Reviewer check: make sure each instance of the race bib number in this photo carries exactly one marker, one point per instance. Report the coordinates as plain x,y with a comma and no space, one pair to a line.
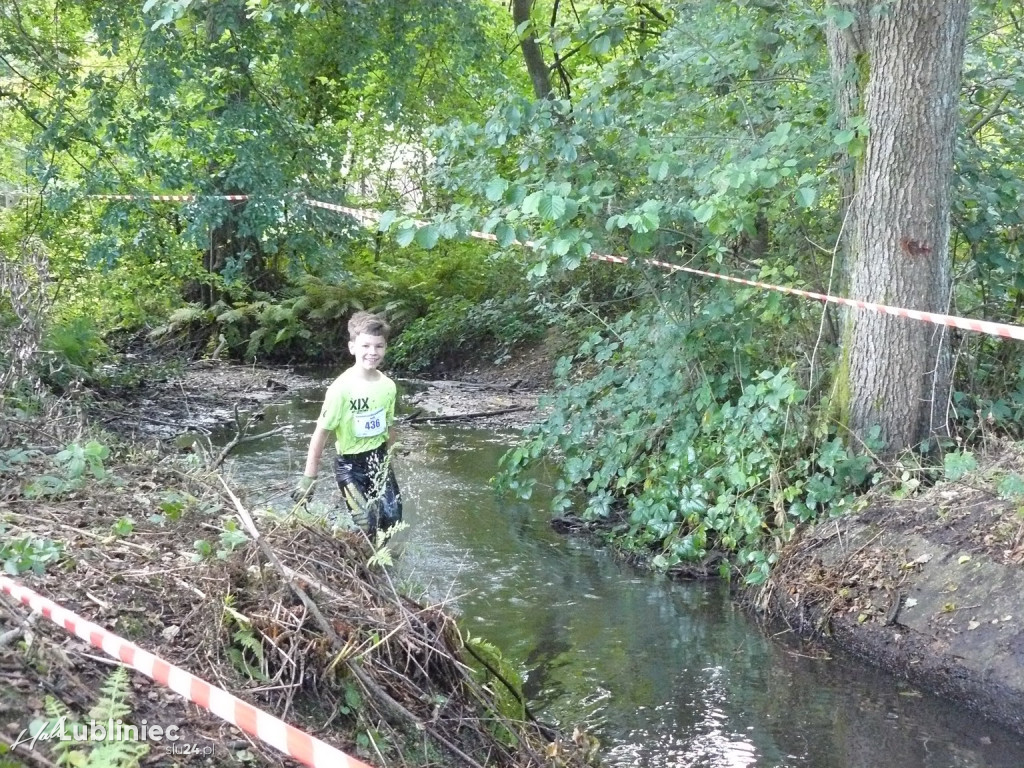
370,424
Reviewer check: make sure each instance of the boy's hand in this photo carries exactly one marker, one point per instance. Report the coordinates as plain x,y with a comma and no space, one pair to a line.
304,490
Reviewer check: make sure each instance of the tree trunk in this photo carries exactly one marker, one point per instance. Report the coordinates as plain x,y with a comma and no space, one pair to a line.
539,74
896,372
848,58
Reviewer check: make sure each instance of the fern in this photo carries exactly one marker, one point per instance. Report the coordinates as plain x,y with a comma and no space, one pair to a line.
248,640
495,673
255,343
330,310
114,704
232,316
187,315
117,754
63,750
111,752
249,648
182,318
382,556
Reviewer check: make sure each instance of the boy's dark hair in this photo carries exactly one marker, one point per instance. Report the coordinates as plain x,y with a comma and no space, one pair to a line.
369,323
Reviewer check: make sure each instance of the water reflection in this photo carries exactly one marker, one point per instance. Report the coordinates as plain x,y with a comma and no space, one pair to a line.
664,674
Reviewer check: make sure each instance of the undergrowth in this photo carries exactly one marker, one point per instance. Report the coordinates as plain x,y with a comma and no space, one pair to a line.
680,436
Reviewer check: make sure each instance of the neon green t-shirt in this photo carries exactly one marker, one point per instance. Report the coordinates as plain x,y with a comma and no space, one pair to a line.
359,412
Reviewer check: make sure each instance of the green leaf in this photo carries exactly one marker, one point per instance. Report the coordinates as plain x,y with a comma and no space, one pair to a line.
643,241
386,220
1011,487
957,464
704,213
560,246
844,137
600,45
531,203
806,196
426,237
505,233
551,207
658,170
495,189
405,235
515,194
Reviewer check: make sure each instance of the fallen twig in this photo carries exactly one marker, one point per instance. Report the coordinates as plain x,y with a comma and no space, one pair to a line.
239,438
461,416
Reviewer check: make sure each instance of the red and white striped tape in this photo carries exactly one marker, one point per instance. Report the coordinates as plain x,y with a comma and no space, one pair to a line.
363,214
269,729
1006,330
169,198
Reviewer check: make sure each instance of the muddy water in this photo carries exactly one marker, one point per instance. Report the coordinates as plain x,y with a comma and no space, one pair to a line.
664,674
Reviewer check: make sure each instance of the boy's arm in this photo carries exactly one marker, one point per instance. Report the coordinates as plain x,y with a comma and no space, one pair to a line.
390,441
316,450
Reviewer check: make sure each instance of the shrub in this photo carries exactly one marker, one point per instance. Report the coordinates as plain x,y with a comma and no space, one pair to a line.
672,436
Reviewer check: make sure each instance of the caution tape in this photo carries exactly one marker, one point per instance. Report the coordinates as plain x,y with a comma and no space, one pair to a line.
170,198
269,729
364,215
1005,330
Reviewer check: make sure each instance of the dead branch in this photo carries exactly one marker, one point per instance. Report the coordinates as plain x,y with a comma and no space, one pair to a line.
462,416
241,427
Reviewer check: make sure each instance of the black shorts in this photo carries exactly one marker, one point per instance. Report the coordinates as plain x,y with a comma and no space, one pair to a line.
372,476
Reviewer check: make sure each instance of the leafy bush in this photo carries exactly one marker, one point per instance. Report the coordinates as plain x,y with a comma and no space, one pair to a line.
456,328
443,303
671,435
28,553
74,461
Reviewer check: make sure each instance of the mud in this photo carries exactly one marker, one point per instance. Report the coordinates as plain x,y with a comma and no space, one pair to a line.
207,395
926,588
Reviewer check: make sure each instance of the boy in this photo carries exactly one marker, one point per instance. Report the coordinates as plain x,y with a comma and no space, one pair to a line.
359,408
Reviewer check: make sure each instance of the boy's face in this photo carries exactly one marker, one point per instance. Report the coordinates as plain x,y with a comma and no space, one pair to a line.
368,351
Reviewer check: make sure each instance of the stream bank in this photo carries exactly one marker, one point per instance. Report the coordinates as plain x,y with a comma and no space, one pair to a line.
223,385
928,588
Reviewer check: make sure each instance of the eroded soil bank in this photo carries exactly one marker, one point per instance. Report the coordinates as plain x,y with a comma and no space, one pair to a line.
928,588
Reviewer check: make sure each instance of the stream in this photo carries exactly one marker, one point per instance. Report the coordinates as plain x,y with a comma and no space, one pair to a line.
663,673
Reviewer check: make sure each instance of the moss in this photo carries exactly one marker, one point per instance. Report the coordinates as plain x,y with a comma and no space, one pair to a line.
842,393
131,627
862,61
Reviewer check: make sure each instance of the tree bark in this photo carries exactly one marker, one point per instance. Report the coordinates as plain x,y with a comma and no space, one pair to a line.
896,372
538,70
848,58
